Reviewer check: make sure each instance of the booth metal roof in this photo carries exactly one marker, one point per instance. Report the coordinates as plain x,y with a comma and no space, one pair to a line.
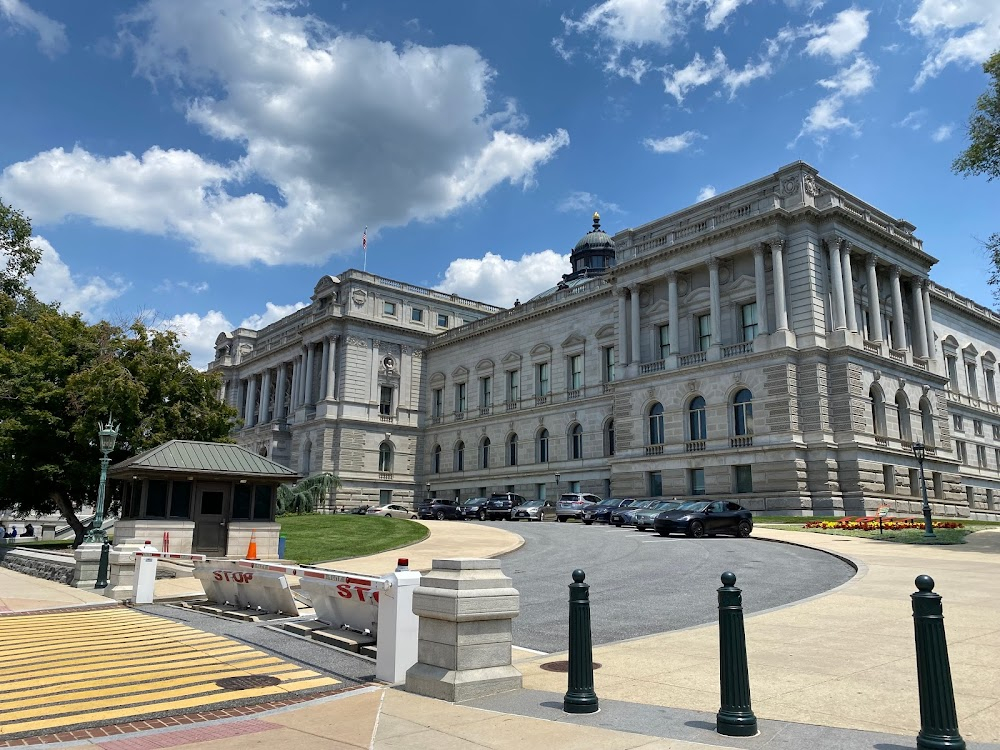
204,458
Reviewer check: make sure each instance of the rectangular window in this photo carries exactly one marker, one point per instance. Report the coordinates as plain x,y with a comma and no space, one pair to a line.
389,308
385,400
938,482
664,341
542,378
981,456
996,456
989,499
696,479
514,386
748,316
417,315
655,483
437,402
963,456
384,497
959,423
970,494
180,500
460,400
704,332
486,391
915,482
442,320
262,502
540,491
991,386
952,363
609,364
576,372
970,371
242,502
996,432
977,427
156,498
574,486
744,478
889,478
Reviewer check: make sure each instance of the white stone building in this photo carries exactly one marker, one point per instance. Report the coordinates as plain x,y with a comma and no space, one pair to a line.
780,342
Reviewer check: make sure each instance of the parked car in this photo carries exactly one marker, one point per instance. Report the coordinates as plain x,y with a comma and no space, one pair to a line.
534,510
626,516
644,517
574,504
440,509
501,504
601,513
699,518
391,511
474,507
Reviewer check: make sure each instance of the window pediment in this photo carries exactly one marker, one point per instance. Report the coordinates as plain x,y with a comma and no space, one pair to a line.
485,365
541,350
511,358
574,340
460,373
606,331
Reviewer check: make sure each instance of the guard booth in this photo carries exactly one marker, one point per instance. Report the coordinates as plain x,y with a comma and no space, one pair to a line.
198,497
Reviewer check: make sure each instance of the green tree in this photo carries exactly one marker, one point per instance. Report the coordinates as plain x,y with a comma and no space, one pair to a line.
303,496
982,156
20,257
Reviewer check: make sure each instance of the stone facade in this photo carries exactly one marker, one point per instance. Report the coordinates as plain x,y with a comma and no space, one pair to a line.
780,343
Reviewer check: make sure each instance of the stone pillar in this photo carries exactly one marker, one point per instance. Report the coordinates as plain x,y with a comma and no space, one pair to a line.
634,324
674,321
265,397
405,367
837,279
761,283
121,571
874,304
324,368
308,395
622,327
778,269
464,644
898,327
251,419
246,402
928,320
279,391
919,324
714,301
88,560
296,371
331,378
852,317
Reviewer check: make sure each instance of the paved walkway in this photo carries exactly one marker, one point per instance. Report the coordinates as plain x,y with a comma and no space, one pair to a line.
22,593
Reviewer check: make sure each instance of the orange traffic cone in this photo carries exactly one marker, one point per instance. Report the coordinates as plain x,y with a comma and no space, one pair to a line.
252,549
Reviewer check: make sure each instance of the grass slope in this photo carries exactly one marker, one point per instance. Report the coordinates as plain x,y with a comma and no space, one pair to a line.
313,538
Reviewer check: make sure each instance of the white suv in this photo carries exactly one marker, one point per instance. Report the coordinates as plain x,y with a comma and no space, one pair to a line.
573,504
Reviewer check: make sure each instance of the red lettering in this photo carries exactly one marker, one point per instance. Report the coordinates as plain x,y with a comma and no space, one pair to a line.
217,575
375,596
344,591
361,593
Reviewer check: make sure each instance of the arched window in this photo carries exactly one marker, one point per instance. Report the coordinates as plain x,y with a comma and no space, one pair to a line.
903,416
656,424
543,446
878,410
927,421
576,442
460,456
437,459
743,412
697,428
385,457
484,453
512,450
609,438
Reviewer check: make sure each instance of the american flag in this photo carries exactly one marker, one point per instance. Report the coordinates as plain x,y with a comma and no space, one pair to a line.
364,240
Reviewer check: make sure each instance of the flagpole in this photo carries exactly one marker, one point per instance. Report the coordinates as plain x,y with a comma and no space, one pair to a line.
364,248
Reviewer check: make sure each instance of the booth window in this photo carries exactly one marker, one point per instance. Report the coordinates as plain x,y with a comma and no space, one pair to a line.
241,502
180,500
262,502
128,507
156,498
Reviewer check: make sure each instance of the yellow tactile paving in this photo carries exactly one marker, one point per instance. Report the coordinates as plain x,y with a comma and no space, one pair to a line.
68,668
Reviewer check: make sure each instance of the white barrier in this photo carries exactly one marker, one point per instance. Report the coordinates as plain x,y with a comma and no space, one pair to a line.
143,589
397,625
226,582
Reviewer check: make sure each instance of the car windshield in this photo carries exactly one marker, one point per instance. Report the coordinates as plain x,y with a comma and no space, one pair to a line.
693,506
474,501
664,505
607,503
641,504
532,504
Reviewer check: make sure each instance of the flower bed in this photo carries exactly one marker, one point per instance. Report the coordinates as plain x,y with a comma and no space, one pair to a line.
870,523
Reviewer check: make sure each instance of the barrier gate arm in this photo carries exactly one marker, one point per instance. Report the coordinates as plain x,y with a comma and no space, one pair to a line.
146,558
356,579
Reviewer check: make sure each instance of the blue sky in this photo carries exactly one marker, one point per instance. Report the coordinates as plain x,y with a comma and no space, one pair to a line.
202,164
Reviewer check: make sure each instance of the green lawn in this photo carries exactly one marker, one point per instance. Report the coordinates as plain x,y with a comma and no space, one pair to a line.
313,538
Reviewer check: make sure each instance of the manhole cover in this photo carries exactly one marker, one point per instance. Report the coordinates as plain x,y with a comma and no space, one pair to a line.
248,682
563,666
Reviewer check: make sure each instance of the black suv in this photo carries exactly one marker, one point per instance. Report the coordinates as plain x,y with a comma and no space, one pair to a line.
440,508
500,505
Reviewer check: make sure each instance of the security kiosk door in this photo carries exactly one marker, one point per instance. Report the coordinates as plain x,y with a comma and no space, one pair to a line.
210,521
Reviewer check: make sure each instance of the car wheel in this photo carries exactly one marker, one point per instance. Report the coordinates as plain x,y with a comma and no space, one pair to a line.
440,515
413,517
562,519
618,525
482,515
663,533
587,523
696,529
744,529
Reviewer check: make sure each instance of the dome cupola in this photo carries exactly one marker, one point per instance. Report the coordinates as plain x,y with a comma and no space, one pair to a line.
594,253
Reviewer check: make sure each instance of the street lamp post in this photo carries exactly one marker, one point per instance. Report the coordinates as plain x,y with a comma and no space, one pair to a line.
919,453
428,489
557,482
107,436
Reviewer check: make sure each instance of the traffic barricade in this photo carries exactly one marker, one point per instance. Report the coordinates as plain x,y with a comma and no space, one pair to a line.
146,558
229,582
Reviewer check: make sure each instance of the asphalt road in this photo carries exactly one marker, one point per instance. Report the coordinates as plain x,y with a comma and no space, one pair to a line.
642,583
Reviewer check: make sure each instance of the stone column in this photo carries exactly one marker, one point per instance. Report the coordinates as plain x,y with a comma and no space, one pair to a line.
715,304
778,269
928,320
246,401
324,368
919,324
760,280
837,278
634,323
898,327
845,263
279,392
464,643
251,419
874,304
296,371
405,366
622,327
331,377
310,354
265,396
674,333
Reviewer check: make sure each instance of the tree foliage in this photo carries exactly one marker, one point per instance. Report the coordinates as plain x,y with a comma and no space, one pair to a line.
20,257
303,496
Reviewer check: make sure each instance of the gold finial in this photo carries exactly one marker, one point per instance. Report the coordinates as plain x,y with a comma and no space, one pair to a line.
597,221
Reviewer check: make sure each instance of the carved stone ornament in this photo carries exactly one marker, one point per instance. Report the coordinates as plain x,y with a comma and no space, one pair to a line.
418,353
388,363
902,383
511,428
926,389
790,186
358,296
388,436
541,421
737,377
692,385
811,187
355,341
572,416
651,392
877,375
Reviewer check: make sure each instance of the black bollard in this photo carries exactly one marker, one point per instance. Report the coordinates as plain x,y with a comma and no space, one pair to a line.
580,697
735,718
102,566
938,719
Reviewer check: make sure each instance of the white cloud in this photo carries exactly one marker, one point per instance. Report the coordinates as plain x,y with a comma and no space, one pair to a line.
700,72
963,32
826,115
705,193
54,282
51,34
673,144
634,23
499,281
719,11
194,287
839,38
943,133
586,202
346,130
913,120
197,334
272,313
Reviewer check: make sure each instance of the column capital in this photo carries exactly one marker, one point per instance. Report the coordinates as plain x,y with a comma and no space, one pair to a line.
713,263
871,260
671,277
846,246
633,288
833,240
895,271
758,249
776,243
618,291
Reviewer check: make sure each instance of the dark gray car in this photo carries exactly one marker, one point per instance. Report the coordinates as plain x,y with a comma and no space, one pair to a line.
644,517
